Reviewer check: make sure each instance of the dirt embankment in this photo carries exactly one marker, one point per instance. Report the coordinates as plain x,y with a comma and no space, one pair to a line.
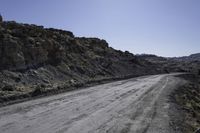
187,97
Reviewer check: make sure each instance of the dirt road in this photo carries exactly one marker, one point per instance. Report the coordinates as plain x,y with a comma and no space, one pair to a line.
137,105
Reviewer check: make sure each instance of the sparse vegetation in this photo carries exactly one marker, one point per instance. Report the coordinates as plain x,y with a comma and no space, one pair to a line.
188,98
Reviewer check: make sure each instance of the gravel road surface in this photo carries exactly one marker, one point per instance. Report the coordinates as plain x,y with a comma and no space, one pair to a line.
137,105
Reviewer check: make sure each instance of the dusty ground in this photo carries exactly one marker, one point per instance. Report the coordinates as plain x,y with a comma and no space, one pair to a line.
138,105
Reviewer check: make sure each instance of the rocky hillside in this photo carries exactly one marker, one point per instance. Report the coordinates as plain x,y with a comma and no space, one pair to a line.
192,57
177,64
34,59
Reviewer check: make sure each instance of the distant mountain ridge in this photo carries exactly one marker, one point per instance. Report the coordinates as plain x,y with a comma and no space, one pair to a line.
192,57
189,63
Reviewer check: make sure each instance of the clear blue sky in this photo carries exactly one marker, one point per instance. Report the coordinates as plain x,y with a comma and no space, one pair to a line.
162,27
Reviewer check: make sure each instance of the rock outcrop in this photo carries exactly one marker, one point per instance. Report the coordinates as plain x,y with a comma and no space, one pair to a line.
32,56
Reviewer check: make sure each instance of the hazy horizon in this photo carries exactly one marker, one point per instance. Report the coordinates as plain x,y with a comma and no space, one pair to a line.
169,28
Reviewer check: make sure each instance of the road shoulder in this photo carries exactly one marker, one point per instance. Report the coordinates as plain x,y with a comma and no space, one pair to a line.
186,103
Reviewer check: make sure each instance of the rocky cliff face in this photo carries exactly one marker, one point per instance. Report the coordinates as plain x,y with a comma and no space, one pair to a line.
28,46
32,56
